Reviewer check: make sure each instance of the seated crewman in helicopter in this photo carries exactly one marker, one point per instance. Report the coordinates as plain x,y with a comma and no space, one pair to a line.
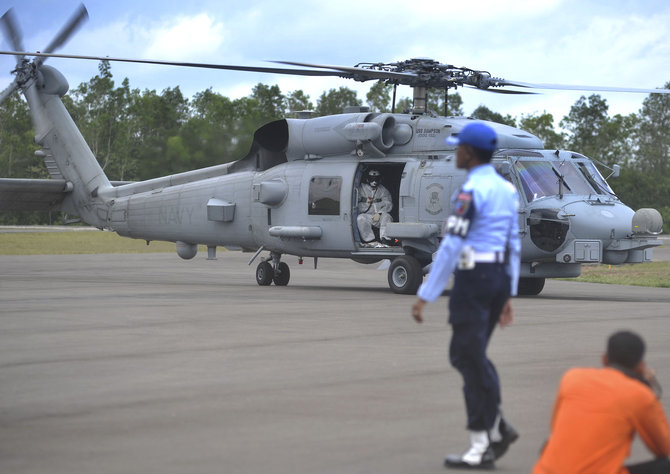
374,207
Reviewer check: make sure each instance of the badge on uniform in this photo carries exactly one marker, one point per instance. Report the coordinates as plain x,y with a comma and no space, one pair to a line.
463,203
458,223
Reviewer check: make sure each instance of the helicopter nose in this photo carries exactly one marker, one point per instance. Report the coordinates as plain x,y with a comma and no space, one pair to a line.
596,221
595,228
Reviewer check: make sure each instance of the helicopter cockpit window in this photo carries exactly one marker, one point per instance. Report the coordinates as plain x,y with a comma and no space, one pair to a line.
594,177
544,178
537,179
573,179
324,196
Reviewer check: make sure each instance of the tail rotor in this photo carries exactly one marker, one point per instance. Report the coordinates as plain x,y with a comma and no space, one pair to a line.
76,20
24,69
10,29
11,32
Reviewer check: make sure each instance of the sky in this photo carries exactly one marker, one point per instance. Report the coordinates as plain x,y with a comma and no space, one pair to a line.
619,43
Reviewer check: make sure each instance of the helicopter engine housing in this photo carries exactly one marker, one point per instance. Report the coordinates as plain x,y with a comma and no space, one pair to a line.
340,134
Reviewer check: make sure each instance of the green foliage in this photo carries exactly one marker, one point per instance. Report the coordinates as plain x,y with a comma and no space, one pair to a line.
335,100
17,149
542,126
640,189
484,113
585,122
593,133
298,101
652,134
665,214
379,97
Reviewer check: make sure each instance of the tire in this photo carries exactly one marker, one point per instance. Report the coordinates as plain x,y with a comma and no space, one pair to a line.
264,274
530,286
405,275
283,275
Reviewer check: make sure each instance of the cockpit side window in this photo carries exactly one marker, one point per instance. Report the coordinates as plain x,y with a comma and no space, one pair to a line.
594,177
324,195
573,180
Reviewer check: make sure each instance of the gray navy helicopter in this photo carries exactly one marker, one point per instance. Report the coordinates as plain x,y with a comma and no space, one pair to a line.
296,191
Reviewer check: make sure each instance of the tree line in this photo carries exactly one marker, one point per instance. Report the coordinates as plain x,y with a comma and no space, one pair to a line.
139,135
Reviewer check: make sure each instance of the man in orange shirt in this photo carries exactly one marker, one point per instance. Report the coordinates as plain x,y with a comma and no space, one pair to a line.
598,411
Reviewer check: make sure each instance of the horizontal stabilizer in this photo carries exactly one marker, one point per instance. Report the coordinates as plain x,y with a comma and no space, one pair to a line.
32,194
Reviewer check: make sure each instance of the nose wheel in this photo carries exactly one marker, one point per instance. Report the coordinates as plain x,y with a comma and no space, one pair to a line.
277,272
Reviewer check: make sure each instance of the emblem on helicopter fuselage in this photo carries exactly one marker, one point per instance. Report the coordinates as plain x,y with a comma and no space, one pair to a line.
434,198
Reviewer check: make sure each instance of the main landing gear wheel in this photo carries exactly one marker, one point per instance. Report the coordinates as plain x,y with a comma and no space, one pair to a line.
405,275
282,275
530,286
264,273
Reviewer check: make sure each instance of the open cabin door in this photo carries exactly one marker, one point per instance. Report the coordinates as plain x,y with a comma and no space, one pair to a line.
326,203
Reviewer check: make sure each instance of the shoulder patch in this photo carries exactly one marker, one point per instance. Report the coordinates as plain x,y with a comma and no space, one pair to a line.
463,203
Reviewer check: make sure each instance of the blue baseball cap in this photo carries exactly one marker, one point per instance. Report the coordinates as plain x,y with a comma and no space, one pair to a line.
477,135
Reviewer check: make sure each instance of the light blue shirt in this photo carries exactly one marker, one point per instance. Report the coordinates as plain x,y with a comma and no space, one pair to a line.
493,226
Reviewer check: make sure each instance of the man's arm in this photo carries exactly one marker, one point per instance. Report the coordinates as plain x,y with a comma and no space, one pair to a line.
386,200
514,249
652,426
651,422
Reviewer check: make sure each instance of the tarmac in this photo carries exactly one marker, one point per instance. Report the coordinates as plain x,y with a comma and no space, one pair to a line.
153,364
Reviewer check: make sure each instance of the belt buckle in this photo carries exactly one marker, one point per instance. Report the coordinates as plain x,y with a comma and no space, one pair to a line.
466,260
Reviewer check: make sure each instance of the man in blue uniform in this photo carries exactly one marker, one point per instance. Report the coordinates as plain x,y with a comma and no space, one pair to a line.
481,243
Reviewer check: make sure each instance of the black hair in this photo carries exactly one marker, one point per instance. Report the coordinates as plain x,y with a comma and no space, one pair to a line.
625,348
484,156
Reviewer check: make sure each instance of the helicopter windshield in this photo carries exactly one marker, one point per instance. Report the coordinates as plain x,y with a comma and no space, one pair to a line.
549,178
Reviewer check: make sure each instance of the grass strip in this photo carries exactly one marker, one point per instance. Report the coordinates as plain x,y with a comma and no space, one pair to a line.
80,242
656,274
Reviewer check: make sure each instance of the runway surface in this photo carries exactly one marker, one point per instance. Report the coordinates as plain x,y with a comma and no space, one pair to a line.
152,364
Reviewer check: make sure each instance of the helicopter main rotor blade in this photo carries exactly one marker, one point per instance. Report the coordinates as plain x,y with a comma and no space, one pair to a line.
358,72
10,28
503,91
271,70
590,88
73,24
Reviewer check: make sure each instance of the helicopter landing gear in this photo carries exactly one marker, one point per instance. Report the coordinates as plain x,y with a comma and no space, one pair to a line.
277,272
530,286
282,274
264,273
405,275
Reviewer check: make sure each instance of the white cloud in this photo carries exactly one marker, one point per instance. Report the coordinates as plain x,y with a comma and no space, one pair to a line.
185,37
620,51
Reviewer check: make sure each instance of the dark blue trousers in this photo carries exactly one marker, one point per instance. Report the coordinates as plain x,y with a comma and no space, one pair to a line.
476,300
